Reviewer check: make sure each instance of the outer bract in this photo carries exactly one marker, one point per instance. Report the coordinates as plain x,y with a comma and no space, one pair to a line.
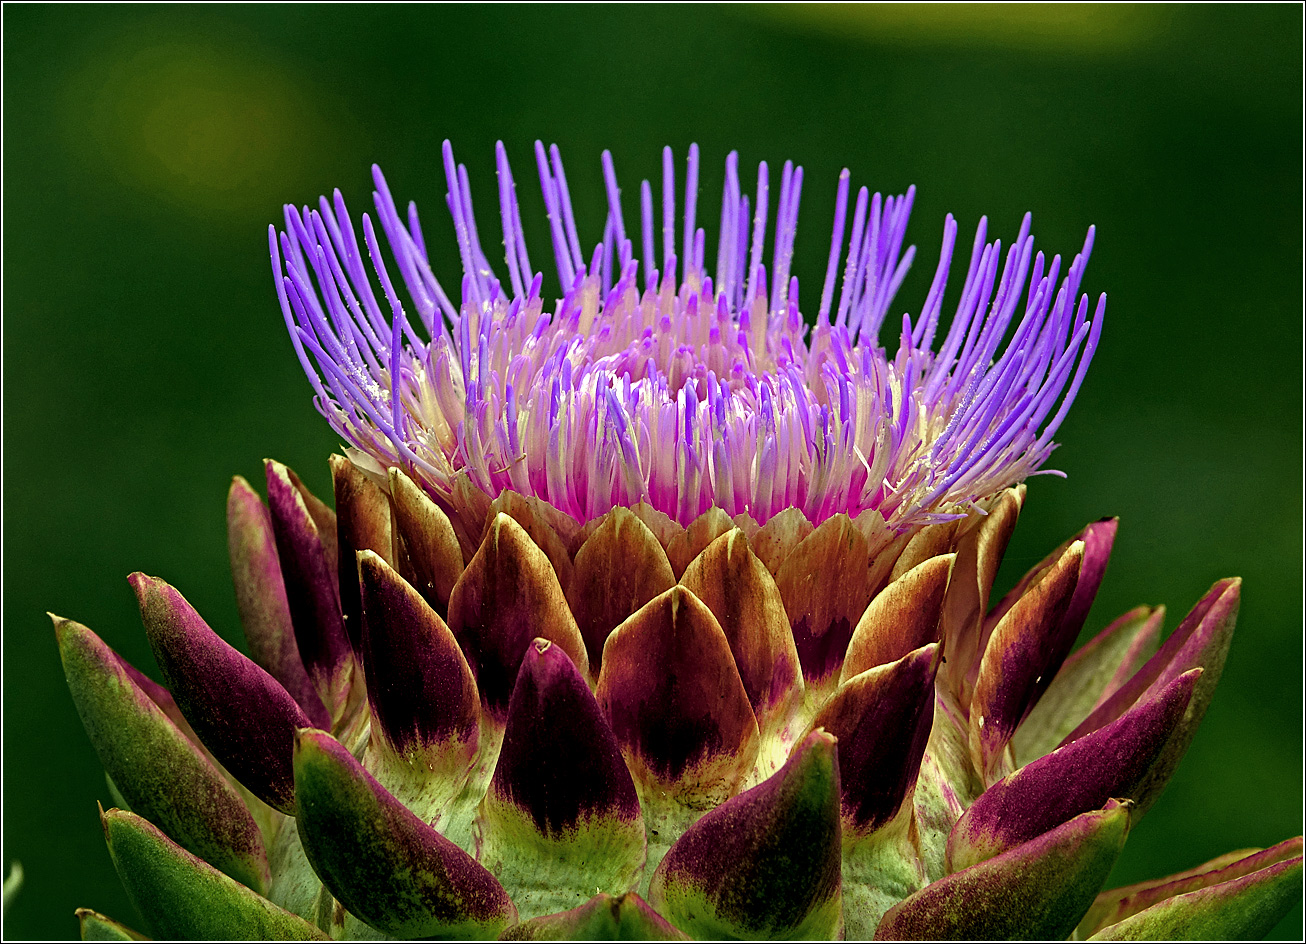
661,615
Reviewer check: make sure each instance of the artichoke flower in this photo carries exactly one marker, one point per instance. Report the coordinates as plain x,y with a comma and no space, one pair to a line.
661,615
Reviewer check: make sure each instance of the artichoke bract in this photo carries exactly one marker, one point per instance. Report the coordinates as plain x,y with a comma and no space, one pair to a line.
665,615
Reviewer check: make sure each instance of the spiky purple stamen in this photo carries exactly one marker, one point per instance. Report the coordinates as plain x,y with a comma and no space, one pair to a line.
692,392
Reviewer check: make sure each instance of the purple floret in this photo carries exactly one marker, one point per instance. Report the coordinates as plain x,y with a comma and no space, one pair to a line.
686,389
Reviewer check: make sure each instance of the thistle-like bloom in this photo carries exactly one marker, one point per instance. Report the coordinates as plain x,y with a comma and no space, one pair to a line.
660,615
677,386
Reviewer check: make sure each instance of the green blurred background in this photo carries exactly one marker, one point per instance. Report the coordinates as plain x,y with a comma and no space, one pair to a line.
145,361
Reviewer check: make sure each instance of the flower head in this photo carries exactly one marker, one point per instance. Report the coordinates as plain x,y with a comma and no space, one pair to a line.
678,386
547,715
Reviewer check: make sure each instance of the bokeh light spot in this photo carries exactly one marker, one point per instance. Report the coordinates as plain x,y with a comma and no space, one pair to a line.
218,130
1090,29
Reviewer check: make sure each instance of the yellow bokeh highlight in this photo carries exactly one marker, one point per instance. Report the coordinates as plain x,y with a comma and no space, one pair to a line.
215,130
1075,28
